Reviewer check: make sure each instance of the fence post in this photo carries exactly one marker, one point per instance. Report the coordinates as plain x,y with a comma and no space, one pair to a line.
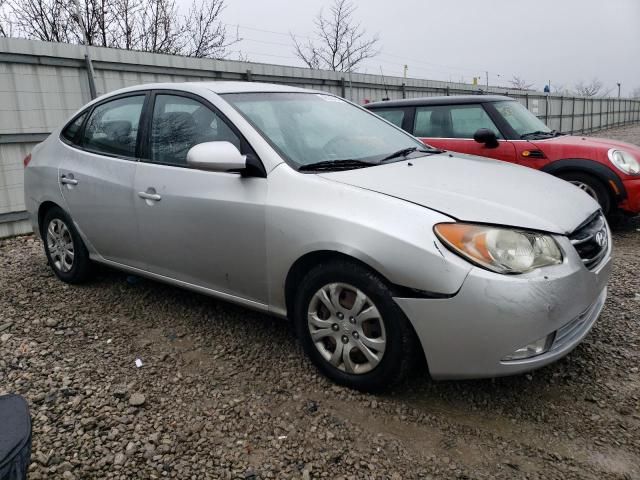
404,90
526,100
573,109
600,122
584,111
547,107
90,76
249,75
561,103
343,88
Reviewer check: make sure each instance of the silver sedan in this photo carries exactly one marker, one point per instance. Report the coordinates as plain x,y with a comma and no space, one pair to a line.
380,250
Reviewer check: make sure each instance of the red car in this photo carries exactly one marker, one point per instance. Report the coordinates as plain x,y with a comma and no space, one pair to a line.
502,128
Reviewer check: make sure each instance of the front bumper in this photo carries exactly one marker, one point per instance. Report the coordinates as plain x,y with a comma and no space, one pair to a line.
631,204
469,335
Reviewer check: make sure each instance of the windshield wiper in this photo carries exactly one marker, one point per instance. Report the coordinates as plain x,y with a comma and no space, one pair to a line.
346,164
406,151
550,133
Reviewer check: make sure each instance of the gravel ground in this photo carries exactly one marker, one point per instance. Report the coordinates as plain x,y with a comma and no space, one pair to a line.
226,393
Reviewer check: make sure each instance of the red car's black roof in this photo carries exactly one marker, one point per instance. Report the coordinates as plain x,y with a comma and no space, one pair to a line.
452,100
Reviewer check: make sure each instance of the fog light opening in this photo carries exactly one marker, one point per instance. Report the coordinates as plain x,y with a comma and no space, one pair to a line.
533,349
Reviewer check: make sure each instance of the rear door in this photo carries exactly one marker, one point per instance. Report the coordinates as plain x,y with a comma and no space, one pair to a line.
200,227
96,175
451,127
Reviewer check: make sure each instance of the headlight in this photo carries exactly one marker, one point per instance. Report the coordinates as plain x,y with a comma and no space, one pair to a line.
624,161
501,250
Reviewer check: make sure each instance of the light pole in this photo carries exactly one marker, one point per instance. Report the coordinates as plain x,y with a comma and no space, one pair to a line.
619,89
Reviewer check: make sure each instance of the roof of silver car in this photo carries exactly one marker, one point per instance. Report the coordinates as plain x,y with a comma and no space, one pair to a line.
219,87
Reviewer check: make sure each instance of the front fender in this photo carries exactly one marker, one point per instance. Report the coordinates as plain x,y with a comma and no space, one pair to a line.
309,214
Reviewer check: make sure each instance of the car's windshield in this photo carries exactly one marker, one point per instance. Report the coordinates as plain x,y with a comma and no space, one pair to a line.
307,128
521,120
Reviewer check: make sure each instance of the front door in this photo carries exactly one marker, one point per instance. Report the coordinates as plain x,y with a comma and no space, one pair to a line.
203,228
97,174
451,127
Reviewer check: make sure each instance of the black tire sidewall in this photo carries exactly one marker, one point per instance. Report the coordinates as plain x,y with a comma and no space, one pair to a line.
81,263
604,197
399,350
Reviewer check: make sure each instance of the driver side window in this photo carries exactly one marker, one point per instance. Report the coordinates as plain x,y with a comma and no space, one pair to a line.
179,123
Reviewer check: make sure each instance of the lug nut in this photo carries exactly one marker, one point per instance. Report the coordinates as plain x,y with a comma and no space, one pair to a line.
345,339
356,335
352,319
335,327
340,315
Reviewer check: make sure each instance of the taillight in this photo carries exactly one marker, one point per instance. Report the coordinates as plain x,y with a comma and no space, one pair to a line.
26,160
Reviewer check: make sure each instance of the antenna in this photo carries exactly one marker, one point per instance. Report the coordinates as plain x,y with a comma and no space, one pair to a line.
384,82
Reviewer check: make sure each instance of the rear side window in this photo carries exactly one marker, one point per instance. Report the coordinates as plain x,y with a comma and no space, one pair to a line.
112,128
452,121
394,116
70,133
180,123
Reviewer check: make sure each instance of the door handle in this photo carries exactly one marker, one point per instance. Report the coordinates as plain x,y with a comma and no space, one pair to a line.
150,196
68,180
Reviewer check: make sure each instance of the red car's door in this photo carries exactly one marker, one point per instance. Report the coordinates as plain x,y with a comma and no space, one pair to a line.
451,127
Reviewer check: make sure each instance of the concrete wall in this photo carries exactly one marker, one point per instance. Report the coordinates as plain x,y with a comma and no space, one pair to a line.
42,84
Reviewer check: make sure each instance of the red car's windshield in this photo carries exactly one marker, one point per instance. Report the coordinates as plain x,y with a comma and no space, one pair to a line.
520,119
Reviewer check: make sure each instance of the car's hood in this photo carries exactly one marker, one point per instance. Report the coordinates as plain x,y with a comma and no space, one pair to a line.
477,189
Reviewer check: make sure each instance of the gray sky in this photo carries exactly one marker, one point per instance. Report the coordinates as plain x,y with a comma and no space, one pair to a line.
562,40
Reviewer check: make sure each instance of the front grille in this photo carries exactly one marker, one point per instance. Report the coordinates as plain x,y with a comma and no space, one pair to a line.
591,240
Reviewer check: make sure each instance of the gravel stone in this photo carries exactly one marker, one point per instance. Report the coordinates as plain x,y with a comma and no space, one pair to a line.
137,400
234,395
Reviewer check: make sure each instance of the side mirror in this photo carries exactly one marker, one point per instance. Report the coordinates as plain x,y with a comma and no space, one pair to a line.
486,136
216,157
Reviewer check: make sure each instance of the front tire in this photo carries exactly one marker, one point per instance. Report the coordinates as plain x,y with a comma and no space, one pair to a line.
351,328
65,250
592,187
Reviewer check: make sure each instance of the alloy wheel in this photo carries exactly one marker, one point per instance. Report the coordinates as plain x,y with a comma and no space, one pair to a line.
60,245
346,328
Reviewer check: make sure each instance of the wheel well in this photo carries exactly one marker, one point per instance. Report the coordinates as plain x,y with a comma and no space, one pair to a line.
308,261
603,181
42,211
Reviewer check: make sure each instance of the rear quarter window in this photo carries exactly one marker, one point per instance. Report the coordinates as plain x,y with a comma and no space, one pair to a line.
71,132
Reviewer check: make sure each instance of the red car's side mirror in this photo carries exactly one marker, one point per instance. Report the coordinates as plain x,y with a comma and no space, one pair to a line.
486,136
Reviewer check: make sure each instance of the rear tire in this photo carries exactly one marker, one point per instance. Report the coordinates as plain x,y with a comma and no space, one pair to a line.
65,250
354,332
591,186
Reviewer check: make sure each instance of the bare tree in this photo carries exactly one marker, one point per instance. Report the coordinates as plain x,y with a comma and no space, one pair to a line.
520,83
591,89
205,35
341,44
4,30
126,30
160,33
147,25
46,20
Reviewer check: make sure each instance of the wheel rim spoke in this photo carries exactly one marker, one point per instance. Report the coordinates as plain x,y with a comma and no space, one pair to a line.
369,313
349,366
376,344
336,356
